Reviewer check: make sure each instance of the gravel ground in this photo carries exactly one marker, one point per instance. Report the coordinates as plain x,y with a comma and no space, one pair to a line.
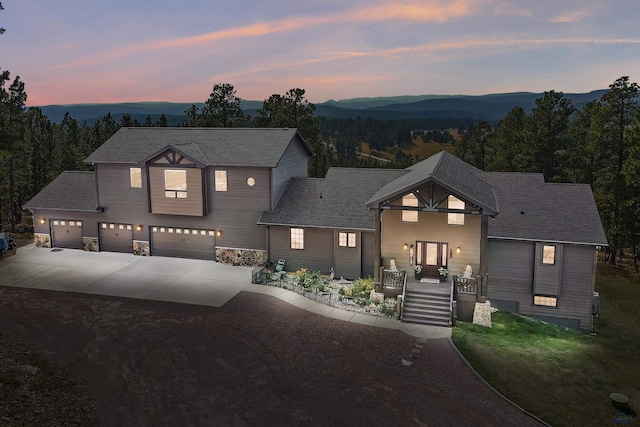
255,361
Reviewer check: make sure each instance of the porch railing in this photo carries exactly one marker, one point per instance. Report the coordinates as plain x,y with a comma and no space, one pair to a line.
404,292
466,285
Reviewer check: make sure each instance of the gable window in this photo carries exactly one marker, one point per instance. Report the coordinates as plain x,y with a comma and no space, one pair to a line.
175,183
347,240
135,176
297,238
545,301
410,216
221,180
455,218
549,254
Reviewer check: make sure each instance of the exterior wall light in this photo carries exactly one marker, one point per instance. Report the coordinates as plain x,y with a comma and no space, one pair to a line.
458,250
139,227
405,247
218,233
42,221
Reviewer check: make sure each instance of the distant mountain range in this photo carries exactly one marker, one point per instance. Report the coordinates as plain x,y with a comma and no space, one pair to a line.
491,107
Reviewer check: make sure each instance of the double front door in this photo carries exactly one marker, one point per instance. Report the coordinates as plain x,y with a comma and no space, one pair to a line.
432,256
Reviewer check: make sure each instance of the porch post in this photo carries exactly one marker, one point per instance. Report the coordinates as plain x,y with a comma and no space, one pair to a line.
484,229
377,238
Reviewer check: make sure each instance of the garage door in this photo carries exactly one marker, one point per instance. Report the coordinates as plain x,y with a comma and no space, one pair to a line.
183,242
116,237
67,233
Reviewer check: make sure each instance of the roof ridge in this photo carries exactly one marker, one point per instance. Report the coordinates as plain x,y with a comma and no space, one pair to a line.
435,169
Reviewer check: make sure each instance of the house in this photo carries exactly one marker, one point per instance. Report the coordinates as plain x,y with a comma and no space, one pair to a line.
243,196
185,192
531,245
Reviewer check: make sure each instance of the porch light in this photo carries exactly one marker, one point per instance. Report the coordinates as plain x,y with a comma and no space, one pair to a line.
218,233
42,221
405,247
458,250
139,227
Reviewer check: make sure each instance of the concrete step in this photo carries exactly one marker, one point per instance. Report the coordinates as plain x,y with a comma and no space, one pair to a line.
422,320
410,305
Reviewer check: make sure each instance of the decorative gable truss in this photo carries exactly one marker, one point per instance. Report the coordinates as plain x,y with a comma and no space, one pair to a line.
176,184
431,198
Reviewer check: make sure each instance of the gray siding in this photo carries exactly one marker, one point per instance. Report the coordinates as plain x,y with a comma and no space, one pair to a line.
347,261
511,280
368,253
237,210
547,277
294,162
192,205
316,255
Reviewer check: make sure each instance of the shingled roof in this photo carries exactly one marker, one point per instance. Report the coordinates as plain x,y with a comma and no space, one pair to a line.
70,191
531,209
450,173
208,146
337,201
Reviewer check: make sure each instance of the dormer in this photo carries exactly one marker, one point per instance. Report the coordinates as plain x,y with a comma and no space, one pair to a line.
176,183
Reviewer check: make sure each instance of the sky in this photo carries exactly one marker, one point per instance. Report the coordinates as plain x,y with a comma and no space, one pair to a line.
79,51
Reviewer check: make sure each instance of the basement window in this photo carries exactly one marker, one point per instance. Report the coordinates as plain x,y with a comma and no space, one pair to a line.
544,300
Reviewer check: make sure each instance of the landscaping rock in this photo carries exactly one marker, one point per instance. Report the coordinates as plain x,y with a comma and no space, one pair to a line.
406,362
482,314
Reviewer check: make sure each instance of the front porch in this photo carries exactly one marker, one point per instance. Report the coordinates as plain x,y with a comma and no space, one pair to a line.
431,301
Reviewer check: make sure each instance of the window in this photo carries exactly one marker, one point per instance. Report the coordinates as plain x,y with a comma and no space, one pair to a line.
135,175
455,218
545,300
221,180
175,183
548,254
251,181
297,238
347,240
410,216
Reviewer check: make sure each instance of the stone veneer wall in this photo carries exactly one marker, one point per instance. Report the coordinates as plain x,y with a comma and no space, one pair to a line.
90,244
42,240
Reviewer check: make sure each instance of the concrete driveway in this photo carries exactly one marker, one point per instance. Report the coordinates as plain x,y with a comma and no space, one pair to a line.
125,275
179,280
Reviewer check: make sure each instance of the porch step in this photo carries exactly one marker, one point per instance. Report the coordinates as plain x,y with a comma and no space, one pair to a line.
427,308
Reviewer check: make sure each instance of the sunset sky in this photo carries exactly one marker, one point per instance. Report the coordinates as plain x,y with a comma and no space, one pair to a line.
78,51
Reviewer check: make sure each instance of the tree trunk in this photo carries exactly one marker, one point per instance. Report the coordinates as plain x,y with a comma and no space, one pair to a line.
12,196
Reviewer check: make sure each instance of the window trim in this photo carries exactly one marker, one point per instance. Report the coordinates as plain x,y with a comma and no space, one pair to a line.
550,301
407,215
175,191
543,258
454,218
347,240
135,177
296,238
221,180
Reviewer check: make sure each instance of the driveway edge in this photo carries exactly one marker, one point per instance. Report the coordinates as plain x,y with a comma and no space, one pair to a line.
520,408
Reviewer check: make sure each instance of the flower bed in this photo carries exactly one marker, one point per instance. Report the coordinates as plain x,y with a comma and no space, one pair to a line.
345,295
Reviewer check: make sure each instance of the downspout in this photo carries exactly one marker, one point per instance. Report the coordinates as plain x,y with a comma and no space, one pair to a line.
377,258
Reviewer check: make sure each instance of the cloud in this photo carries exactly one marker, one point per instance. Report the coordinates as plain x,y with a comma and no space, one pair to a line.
424,11
571,17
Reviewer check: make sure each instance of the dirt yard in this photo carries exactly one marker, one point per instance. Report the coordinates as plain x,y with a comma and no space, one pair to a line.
256,361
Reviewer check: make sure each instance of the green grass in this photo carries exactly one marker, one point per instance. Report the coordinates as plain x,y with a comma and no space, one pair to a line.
563,376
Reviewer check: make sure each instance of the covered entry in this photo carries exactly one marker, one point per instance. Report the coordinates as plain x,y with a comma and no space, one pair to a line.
66,233
432,256
183,242
116,237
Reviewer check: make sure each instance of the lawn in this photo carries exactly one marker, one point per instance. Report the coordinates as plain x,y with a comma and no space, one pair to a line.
562,376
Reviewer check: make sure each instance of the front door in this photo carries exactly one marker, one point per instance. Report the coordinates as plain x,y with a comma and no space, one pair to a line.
432,256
